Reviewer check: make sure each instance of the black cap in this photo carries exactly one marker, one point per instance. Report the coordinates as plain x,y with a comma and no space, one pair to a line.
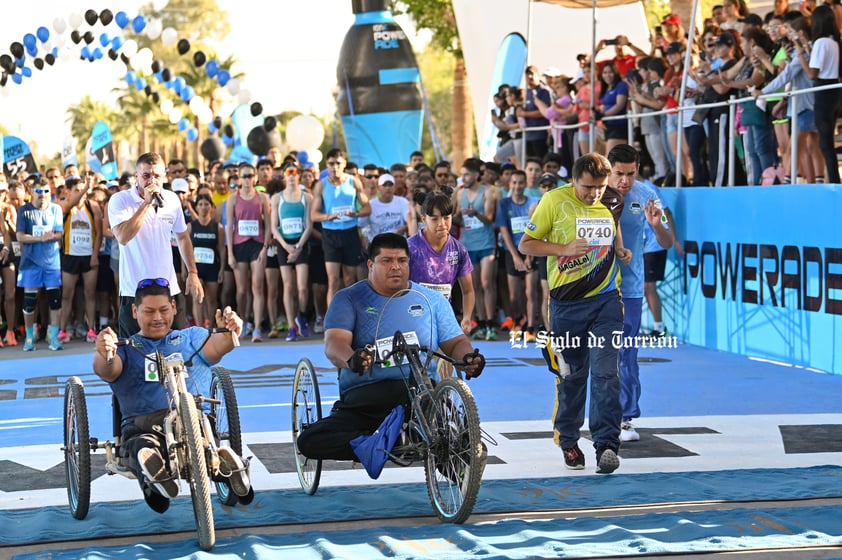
548,179
726,38
752,19
675,47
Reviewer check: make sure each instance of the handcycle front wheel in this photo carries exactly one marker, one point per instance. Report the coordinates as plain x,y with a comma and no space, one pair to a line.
199,478
306,410
455,461
77,448
225,421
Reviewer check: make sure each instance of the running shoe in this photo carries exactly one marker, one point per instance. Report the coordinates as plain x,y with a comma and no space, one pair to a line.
508,324
490,333
248,328
628,433
319,326
91,336
291,335
607,460
63,336
10,338
257,335
529,335
29,344
273,333
574,459
54,344
302,326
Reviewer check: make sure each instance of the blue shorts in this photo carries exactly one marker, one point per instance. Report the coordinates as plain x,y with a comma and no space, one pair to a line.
807,121
33,278
671,123
477,256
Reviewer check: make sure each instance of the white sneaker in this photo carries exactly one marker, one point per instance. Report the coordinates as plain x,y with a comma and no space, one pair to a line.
152,465
232,467
628,433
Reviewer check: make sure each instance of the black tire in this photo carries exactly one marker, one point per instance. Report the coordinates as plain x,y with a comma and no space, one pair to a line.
225,421
77,448
306,410
198,476
455,460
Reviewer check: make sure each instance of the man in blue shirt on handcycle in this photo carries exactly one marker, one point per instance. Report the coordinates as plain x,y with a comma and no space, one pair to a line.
369,313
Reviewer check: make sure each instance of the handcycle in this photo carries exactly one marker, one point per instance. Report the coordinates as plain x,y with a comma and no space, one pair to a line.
442,428
193,438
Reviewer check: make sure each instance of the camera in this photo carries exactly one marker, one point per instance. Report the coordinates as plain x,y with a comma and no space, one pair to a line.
658,29
610,42
633,75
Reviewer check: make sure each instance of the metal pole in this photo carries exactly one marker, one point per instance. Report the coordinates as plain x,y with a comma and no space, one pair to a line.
679,147
793,140
529,35
732,133
592,129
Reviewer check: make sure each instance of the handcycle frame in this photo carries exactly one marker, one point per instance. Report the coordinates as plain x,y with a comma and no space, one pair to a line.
442,429
192,438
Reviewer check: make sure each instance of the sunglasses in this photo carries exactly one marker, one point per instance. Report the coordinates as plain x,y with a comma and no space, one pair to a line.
163,282
42,191
246,176
372,176
290,172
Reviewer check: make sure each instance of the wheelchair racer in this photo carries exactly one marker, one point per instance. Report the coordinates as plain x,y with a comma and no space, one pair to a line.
357,314
142,397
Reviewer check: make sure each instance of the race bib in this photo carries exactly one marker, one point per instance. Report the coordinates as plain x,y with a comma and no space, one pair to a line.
152,374
16,247
597,231
385,345
472,222
81,242
519,224
248,228
292,227
271,251
38,231
203,255
443,289
342,212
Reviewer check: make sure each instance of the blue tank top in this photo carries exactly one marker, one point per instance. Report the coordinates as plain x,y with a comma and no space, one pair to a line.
476,235
291,217
339,199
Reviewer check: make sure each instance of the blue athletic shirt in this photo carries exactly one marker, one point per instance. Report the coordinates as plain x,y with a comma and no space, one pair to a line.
42,255
138,396
633,223
358,308
339,199
514,216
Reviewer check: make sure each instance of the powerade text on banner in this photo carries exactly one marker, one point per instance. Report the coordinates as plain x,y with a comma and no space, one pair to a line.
379,97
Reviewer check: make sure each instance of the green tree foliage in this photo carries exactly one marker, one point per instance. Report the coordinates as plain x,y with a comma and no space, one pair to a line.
436,16
436,68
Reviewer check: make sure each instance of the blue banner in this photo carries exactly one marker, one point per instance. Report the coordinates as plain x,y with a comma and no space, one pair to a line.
68,152
101,151
17,157
762,272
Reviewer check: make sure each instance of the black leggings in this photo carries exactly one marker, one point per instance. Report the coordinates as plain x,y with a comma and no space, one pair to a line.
826,110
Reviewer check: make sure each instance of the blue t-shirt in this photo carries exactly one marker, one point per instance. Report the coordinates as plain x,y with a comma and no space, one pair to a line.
651,245
371,316
529,105
339,199
514,216
610,99
44,255
138,396
633,223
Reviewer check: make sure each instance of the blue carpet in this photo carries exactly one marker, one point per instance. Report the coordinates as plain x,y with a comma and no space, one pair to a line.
402,500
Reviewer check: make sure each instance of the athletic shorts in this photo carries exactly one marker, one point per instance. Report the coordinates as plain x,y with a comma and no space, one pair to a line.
477,256
316,260
654,265
617,132
104,275
247,251
272,256
510,265
342,246
39,278
302,259
540,264
75,264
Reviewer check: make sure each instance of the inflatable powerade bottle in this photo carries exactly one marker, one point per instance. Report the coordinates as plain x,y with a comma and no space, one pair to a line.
379,97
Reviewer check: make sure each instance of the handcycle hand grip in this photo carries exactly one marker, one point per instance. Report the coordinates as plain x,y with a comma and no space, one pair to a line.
471,359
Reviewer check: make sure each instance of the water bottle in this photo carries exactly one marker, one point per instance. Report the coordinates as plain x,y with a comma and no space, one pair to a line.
379,98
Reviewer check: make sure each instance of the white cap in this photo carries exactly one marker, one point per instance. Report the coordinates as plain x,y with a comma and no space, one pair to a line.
180,185
385,178
579,75
552,72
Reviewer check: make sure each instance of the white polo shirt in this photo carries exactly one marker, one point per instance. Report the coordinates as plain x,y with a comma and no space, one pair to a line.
149,253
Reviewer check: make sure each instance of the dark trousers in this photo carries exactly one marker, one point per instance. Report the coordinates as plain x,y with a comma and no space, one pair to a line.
696,143
826,109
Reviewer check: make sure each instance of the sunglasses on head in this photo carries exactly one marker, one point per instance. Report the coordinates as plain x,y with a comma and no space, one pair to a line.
290,172
163,282
41,191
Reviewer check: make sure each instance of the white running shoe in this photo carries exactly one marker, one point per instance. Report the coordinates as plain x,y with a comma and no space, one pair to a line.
628,433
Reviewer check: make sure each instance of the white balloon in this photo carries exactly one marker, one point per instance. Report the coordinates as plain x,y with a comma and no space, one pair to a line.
66,53
159,5
314,156
59,25
75,20
145,57
244,96
130,48
61,40
153,29
166,106
233,86
169,36
305,132
205,116
197,104
176,115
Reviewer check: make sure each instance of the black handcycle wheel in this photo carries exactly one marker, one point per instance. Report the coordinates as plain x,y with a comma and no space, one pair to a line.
77,448
198,476
306,410
456,457
225,421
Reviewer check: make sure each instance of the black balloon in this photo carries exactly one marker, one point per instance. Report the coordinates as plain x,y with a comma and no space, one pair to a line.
124,58
17,50
106,16
7,64
75,37
212,148
183,46
199,58
112,54
91,16
156,66
50,58
217,122
166,75
258,141
147,90
256,109
3,78
39,64
89,37
156,98
269,123
229,130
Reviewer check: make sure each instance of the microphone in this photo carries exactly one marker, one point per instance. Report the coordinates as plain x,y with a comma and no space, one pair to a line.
159,200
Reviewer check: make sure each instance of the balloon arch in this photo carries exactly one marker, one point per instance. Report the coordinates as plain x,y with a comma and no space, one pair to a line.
148,74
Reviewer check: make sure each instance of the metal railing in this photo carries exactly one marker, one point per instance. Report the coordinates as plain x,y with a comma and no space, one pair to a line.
731,103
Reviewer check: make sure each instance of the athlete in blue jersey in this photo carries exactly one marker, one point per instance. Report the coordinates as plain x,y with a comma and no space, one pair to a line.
369,313
639,209
143,399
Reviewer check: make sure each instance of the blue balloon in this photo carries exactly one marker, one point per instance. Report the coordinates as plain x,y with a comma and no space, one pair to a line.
212,128
227,140
17,78
159,75
20,61
104,39
178,85
86,51
32,51
29,41
139,24
187,93
55,51
117,42
193,134
122,19
223,77
302,158
131,77
184,124
140,84
26,71
43,34
97,53
212,68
